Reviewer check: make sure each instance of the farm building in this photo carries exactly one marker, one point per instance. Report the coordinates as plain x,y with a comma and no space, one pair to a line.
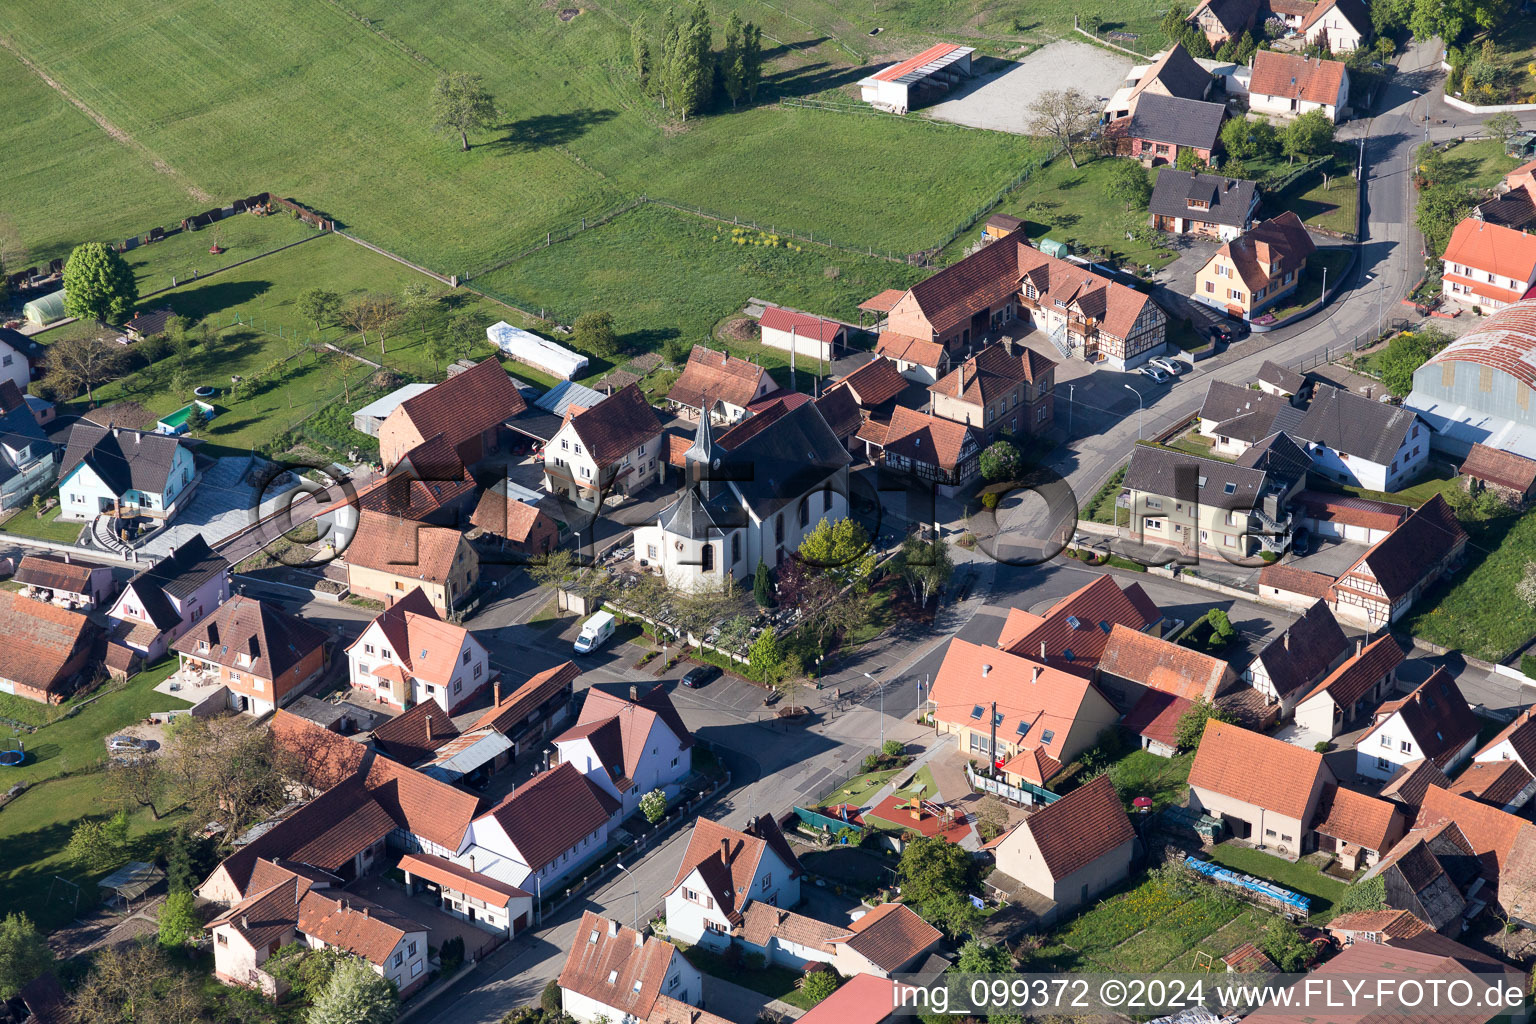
531,350
1479,388
902,86
814,337
371,417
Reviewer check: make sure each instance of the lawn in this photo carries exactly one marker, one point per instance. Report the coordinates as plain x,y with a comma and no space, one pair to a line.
773,982
25,523
1322,266
1333,205
1293,875
1479,164
1439,480
664,274
1142,773
1195,444
175,259
859,789
1514,46
1477,610
1101,507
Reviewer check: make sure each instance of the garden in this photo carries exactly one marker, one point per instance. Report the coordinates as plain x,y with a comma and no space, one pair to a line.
1327,264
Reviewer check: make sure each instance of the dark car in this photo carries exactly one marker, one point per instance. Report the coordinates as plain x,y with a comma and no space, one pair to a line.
700,676
1301,541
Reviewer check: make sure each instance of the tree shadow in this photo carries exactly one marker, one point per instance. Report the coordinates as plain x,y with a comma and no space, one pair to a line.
647,339
811,79
784,49
213,298
543,130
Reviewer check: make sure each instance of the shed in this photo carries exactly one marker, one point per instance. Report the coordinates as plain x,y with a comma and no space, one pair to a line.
1000,225
531,350
131,881
934,70
370,417
45,309
1051,247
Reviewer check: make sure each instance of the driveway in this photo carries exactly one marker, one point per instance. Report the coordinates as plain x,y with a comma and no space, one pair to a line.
999,96
441,926
1331,558
222,505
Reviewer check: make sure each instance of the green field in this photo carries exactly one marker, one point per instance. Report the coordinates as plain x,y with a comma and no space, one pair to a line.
1478,611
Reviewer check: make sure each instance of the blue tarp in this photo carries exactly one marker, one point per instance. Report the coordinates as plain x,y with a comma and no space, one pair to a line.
1268,890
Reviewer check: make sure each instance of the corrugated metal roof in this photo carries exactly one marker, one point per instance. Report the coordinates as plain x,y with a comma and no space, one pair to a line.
930,61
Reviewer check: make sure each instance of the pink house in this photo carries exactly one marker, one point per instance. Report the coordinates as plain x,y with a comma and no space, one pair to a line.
162,602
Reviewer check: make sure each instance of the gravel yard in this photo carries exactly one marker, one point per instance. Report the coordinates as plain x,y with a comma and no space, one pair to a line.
1001,100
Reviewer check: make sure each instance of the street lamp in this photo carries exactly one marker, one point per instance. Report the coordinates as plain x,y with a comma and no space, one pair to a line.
881,687
1138,409
636,884
1071,400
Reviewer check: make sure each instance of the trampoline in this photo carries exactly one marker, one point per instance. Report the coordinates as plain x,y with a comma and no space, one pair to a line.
12,758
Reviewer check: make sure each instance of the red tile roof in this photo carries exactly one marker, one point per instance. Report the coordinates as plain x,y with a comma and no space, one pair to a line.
465,405
460,879
615,426
428,646
1400,561
325,758
903,348
619,729
989,277
993,372
1490,465
1521,735
1034,765
427,478
814,328
1161,665
1081,827
1354,678
616,966
728,859
43,641
711,377
1079,623
882,302
1493,782
1490,832
1292,77
405,737
517,521
53,572
401,547
253,636
551,812
926,439
761,923
1349,511
521,702
1156,717
890,935
354,924
862,999
1353,817
1256,769
1115,306
1269,247
875,383
1409,783
1492,248
421,804
1292,580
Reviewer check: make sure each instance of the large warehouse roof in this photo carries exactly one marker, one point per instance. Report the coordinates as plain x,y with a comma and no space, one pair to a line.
1506,342
929,62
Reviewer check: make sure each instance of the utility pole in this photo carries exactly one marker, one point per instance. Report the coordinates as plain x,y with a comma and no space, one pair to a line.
1071,401
992,750
792,346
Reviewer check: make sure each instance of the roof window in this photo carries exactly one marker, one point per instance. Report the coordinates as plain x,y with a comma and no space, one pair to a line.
1023,729
997,718
1074,622
1104,625
1048,736
613,976
1229,488
976,712
1069,655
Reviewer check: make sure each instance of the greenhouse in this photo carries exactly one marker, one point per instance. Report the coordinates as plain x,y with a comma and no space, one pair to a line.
45,310
530,349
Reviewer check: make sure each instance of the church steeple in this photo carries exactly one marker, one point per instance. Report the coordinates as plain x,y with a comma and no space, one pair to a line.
700,456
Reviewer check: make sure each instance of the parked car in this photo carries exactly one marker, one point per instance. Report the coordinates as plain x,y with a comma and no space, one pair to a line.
594,633
1169,366
1220,333
701,676
1157,375
123,744
1301,541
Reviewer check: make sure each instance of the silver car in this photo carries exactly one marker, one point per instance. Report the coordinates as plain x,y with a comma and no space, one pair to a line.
1169,366
1157,375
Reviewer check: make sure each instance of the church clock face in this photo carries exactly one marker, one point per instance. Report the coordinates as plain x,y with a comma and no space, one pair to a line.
715,464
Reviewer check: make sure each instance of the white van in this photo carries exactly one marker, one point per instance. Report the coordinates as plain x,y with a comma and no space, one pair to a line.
594,633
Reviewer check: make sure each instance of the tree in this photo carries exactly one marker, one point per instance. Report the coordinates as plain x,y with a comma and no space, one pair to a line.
1405,354
931,866
951,911
593,332
1065,115
179,923
354,995
76,364
762,585
924,566
99,285
1370,894
1189,160
387,313
1308,135
460,103
1502,127
1390,16
991,818
197,419
136,984
841,550
1195,42
767,656
733,60
98,845
227,772
416,299
137,781
1173,23
1221,627
463,331
819,984
1128,183
640,50
654,806
977,957
752,59
1432,18
1001,460
318,305
1191,724
24,954
1284,944
1442,205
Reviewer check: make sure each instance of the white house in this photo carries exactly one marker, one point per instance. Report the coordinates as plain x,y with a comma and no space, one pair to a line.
139,471
1073,849
1289,85
615,974
615,447
629,747
720,382
803,336
494,906
724,870
883,941
1342,24
1515,742
1487,265
751,495
1432,722
543,831
408,655
1350,691
16,353
1363,443
162,602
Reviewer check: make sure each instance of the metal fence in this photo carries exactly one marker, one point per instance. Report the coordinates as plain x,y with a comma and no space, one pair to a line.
1363,340
1027,794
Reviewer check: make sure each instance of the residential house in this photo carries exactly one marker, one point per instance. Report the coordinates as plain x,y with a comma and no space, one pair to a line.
1417,873
1275,379
468,409
1163,127
1154,721
784,938
1004,388
1432,722
1340,25
539,834
615,447
1221,20
1293,588
415,735
1235,418
1504,847
839,407
1256,269
1071,635
720,382
29,462
262,655
1288,85
1356,828
57,579
1385,582
128,472
1352,691
1099,320
888,939
1072,849
162,601
933,449
370,418
1406,788
916,359
965,302
1363,443
48,651
1401,929
1487,265
1134,664
1290,665
389,557
1172,73
1029,719
876,389
629,747
1207,205
19,356
613,973
1265,790
752,496
325,753
408,655
530,713
723,871
521,530
1502,784
483,901
149,323
1512,477
1206,505
1515,742
801,334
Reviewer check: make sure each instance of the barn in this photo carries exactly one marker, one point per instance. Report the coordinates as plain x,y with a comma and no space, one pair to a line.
1479,389
811,337
903,86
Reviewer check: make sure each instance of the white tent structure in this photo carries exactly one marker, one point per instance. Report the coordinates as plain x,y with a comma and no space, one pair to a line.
531,350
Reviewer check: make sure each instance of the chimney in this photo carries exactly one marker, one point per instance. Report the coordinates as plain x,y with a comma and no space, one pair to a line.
725,850
114,432
66,558
429,728
1285,640
365,911
1042,650
1035,678
471,862
613,928
213,633
137,437
496,694
986,670
1359,645
961,392
634,692
639,941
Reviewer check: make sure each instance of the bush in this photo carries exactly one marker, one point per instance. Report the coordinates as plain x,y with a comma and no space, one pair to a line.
820,981
549,999
893,748
452,954
991,499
